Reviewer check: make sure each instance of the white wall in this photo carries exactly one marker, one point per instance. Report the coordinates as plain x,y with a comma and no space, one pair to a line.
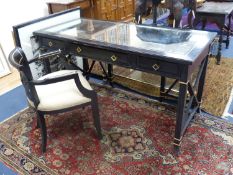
17,12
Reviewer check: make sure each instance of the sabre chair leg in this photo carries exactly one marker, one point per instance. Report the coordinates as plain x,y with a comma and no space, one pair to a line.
42,124
95,114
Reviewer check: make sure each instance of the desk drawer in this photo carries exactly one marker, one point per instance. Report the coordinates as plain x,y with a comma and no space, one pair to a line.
158,67
52,44
104,55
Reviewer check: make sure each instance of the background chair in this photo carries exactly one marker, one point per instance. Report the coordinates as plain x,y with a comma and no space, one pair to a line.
55,92
166,13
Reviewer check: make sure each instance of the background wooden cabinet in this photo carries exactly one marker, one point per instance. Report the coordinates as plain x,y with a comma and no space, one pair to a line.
61,5
125,9
113,10
106,9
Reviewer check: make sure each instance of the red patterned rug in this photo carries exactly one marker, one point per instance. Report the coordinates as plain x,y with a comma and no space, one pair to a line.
138,135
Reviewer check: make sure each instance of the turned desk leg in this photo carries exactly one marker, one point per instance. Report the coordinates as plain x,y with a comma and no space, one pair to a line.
162,88
180,116
187,109
218,56
228,31
85,65
154,15
202,81
110,74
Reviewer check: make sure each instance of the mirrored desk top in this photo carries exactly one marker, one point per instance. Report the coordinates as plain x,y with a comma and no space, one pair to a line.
184,45
216,7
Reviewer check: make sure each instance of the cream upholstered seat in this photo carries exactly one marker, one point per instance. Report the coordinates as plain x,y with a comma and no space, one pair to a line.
55,92
61,95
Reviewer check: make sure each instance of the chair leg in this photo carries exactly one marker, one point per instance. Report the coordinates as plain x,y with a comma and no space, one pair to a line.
95,114
41,120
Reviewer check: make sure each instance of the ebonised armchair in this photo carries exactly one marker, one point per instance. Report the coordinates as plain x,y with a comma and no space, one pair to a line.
55,92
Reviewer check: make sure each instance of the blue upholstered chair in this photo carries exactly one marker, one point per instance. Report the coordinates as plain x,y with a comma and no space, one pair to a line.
55,92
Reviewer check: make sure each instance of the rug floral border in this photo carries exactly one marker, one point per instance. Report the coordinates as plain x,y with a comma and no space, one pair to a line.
18,159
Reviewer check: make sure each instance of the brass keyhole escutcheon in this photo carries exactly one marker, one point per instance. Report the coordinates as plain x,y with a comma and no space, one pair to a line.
50,44
79,49
155,67
114,58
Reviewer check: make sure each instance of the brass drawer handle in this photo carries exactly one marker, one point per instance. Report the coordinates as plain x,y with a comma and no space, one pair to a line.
114,58
79,49
155,67
50,43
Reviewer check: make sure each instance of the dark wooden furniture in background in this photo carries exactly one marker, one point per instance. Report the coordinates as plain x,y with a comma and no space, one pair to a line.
219,13
113,10
61,5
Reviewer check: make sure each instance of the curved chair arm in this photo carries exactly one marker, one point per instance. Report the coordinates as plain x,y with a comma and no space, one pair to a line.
30,90
86,92
54,79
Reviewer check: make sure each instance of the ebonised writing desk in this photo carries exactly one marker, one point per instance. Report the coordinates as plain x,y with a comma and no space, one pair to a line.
170,53
219,13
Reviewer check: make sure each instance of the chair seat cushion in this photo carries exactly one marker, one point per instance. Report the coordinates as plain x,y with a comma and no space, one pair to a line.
61,95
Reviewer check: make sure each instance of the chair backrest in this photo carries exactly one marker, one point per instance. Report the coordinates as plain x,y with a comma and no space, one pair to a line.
17,59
